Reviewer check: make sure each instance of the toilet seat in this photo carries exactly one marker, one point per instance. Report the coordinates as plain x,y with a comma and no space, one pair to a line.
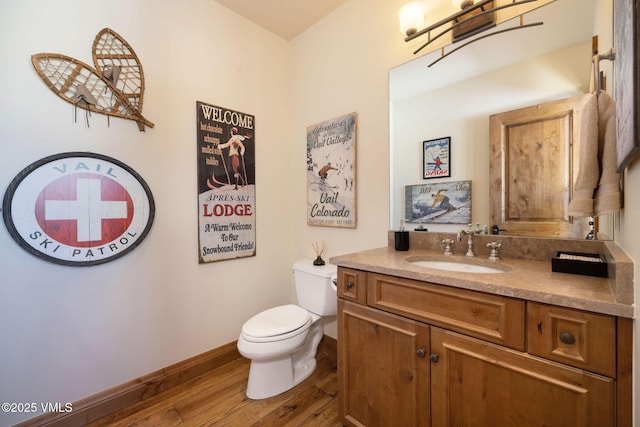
277,323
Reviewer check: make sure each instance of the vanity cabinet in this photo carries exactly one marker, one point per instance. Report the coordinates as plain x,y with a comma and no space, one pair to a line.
413,353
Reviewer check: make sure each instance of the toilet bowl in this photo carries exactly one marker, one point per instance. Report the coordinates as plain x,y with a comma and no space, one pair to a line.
282,342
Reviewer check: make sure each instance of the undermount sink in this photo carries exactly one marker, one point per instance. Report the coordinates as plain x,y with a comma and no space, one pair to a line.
460,266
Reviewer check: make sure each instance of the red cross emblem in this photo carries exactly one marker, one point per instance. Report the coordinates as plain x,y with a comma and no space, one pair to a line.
78,209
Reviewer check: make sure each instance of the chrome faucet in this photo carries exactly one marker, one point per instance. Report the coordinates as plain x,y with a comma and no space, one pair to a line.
447,246
493,255
469,232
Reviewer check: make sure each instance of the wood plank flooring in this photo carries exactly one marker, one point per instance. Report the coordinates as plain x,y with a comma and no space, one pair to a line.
217,398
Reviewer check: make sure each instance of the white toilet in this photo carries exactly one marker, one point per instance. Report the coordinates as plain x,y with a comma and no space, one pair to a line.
282,341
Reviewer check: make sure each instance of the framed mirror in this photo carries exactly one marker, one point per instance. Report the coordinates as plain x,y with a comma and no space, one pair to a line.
506,72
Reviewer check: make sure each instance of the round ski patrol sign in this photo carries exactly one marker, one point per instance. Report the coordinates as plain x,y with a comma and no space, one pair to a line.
78,209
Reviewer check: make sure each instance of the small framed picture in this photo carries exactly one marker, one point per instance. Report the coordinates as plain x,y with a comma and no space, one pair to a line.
436,158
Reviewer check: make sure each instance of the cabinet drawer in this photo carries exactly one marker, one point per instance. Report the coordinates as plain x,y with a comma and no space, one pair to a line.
352,284
493,318
574,337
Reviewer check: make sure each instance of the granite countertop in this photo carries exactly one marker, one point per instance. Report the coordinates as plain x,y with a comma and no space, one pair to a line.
527,279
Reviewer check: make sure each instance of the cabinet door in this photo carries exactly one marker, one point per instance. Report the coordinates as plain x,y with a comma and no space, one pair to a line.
352,284
383,368
480,384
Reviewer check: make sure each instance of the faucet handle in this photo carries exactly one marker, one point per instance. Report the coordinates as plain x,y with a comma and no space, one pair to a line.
493,254
447,246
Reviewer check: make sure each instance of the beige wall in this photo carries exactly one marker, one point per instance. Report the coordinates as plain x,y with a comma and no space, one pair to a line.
340,66
69,332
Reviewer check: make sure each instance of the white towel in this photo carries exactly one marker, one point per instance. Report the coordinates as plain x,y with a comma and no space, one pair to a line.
581,204
597,188
608,196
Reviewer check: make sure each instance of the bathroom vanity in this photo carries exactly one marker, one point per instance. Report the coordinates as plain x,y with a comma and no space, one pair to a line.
518,346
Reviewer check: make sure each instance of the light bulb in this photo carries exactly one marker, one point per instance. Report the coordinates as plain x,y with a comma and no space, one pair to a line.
411,17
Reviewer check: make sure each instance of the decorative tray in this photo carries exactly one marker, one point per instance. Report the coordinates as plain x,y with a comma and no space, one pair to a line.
580,263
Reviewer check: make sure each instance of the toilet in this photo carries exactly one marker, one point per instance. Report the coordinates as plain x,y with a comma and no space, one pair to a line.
281,342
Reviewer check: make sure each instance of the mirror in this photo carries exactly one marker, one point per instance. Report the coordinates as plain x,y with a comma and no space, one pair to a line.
455,97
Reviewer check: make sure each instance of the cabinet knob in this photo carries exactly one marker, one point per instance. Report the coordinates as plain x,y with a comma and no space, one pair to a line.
421,352
567,338
349,285
434,357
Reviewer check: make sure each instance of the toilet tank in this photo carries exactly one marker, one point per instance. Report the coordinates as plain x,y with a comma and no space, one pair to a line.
314,287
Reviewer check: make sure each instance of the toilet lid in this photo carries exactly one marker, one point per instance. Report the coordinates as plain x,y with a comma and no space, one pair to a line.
276,321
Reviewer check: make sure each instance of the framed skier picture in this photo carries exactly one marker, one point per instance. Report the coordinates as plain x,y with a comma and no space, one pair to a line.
226,183
441,203
331,172
436,158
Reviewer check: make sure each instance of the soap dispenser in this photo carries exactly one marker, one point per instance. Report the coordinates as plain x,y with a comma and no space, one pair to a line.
402,238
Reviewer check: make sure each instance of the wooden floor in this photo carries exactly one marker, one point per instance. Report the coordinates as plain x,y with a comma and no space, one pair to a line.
217,398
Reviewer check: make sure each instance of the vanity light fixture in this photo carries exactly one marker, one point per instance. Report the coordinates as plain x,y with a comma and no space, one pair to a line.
475,17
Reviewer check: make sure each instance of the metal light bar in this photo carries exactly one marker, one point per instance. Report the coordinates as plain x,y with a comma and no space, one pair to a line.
504,11
519,27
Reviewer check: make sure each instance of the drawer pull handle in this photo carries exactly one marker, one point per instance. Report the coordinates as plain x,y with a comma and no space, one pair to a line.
421,352
567,338
349,285
434,357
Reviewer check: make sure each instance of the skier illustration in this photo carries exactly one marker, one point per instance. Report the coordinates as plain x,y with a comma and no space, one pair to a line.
441,200
438,163
236,154
324,171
